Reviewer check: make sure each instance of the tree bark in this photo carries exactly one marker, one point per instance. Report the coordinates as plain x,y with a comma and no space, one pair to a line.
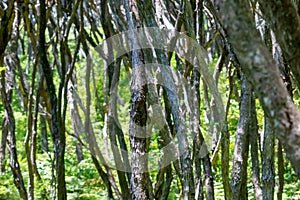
240,156
57,135
8,129
76,119
254,150
267,158
280,164
137,128
283,68
173,100
197,143
3,147
261,71
6,24
6,86
138,113
284,19
225,140
43,130
122,166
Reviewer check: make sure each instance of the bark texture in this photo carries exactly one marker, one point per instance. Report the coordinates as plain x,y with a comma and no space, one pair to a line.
138,114
6,86
267,158
258,66
285,22
254,140
241,148
57,135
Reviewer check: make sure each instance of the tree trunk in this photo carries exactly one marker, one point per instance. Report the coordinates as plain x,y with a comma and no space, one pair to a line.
197,143
225,140
285,22
240,156
76,119
253,127
43,129
267,157
6,23
259,68
280,163
208,173
173,100
8,129
283,68
57,135
122,166
6,85
138,114
3,147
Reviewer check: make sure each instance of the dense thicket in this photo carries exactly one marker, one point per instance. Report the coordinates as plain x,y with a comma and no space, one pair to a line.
141,99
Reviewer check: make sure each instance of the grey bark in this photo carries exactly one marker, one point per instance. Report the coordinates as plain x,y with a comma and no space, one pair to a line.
225,139
208,173
9,129
43,130
259,68
76,119
199,32
7,19
57,135
115,131
173,100
282,66
3,148
254,138
284,19
280,164
6,86
267,158
138,113
91,138
240,155
197,143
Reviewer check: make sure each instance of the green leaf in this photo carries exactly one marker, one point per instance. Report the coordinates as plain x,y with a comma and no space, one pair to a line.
2,69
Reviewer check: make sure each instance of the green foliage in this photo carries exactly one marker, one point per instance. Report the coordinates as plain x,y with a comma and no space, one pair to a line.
7,187
83,181
2,69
